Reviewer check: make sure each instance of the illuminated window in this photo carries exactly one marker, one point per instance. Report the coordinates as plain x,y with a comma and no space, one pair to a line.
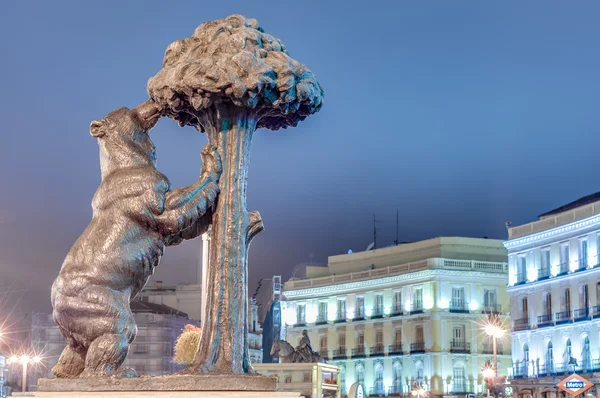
583,253
341,309
549,358
360,307
586,359
564,258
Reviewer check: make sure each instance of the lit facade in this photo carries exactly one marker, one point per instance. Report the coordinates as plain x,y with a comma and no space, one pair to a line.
3,376
554,288
405,315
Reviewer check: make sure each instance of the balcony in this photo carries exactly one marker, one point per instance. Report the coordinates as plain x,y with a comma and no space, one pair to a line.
359,352
324,353
543,273
489,349
521,278
321,319
417,348
377,391
521,324
582,264
377,312
397,310
458,346
562,317
491,309
395,349
360,315
395,390
300,322
377,351
417,307
545,320
459,306
563,269
581,314
596,311
340,353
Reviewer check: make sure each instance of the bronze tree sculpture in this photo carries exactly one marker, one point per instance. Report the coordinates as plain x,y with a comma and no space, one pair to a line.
228,79
135,214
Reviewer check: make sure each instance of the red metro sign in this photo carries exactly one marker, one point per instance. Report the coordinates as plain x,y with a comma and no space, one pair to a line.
574,385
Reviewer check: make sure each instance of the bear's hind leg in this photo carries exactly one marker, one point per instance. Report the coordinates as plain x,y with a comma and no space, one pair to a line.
105,354
70,364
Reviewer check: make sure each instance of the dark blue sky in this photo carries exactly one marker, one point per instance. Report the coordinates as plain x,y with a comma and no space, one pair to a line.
461,114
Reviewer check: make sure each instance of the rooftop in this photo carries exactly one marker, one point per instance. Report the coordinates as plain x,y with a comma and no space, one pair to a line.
585,200
141,307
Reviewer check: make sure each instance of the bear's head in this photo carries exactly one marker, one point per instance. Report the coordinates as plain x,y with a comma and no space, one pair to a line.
124,140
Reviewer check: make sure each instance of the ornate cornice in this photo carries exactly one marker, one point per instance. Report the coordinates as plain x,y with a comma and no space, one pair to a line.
347,288
554,232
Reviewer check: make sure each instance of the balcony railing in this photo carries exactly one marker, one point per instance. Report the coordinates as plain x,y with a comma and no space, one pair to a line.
596,311
521,324
491,309
459,306
562,317
417,307
377,391
321,319
300,322
489,349
545,320
396,389
582,264
397,310
460,346
358,352
581,314
563,268
339,353
324,353
543,273
531,370
377,351
360,314
521,278
417,347
395,349
377,312
340,317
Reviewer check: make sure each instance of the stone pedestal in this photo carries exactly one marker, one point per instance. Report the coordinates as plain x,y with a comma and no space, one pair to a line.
172,386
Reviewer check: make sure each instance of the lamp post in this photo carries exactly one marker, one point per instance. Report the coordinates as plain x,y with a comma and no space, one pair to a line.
419,391
24,360
495,331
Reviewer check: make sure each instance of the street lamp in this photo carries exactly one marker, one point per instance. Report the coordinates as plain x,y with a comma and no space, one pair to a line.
419,391
24,360
493,329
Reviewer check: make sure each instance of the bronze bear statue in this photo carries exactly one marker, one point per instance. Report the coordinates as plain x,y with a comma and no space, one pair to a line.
135,214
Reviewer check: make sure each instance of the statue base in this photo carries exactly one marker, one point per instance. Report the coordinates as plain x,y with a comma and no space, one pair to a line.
161,386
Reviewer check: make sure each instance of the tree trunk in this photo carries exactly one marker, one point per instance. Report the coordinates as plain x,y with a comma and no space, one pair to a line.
224,343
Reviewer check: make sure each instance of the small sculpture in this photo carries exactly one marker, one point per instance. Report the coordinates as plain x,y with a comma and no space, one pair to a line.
187,345
302,354
228,79
135,214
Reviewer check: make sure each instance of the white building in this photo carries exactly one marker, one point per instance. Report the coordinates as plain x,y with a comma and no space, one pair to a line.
554,287
405,315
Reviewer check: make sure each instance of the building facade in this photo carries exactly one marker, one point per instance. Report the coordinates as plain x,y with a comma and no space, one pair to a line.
3,376
405,315
554,288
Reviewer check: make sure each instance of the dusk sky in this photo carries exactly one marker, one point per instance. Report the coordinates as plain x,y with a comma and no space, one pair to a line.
460,114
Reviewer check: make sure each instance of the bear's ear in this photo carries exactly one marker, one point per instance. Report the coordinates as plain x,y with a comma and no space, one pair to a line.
96,129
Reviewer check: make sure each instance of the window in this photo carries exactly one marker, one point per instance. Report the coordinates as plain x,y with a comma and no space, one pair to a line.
458,337
546,260
398,337
341,309
567,301
489,301
360,374
583,297
360,307
397,377
521,269
586,359
300,314
323,344
564,258
418,299
568,353
322,312
583,253
458,298
379,304
549,358
419,371
379,388
524,308
360,341
379,339
548,304
419,334
459,382
342,342
398,301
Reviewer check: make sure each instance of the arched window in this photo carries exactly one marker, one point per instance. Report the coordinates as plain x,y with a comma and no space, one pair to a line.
420,379
459,384
549,358
525,364
360,374
568,353
397,377
378,385
586,360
